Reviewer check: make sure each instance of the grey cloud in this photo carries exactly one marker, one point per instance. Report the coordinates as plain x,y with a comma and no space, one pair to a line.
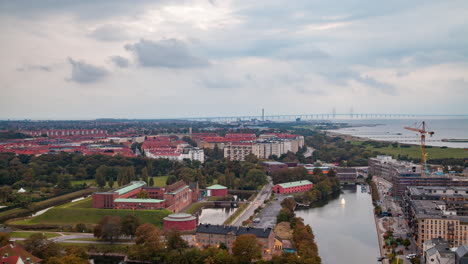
89,10
170,53
109,33
309,91
342,78
380,86
34,68
83,72
460,85
217,83
120,61
302,53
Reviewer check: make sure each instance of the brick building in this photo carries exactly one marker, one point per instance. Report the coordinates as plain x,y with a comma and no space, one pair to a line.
174,197
181,222
213,235
293,187
346,175
217,190
272,166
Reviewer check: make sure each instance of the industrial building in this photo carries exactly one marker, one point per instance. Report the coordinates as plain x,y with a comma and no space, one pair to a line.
293,187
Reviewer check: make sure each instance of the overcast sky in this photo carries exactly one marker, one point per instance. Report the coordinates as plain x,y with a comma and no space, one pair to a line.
68,59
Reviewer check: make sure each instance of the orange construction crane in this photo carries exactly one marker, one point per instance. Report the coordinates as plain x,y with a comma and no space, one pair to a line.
423,133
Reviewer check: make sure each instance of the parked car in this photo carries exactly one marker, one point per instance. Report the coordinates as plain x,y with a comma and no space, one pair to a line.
411,256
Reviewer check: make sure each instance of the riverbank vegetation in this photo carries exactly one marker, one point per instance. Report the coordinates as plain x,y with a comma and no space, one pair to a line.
302,237
375,195
325,186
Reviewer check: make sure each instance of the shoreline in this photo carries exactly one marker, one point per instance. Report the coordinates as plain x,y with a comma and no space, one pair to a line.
362,139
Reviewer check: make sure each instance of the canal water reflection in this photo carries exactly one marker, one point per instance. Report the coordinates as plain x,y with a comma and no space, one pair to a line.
345,229
215,216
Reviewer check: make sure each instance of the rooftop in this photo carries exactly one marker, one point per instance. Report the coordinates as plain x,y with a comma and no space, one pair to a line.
130,187
216,187
273,163
235,230
180,217
294,184
131,200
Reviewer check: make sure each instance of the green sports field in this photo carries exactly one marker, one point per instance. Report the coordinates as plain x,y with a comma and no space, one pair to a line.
415,152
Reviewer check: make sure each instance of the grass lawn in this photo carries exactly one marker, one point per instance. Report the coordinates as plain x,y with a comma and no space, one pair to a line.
236,213
196,207
160,181
73,216
415,151
85,203
19,234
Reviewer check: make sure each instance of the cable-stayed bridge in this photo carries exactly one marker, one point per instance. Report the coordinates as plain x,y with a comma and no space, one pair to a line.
317,117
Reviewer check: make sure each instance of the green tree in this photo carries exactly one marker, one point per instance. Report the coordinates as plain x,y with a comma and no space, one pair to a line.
143,195
251,158
64,182
144,174
108,228
246,249
171,179
100,177
129,225
254,178
148,244
38,245
151,182
406,243
6,194
111,182
80,227
174,240
4,239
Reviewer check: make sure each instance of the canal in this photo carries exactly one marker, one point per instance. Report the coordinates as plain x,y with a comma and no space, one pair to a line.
344,228
215,216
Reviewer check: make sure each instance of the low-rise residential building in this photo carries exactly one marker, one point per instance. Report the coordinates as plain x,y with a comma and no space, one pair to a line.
461,254
15,253
437,251
293,187
214,235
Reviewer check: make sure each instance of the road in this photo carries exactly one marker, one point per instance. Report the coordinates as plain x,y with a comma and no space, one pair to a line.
309,152
263,195
269,213
396,222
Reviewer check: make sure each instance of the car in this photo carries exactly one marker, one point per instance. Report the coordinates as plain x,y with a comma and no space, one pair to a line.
256,220
380,258
411,256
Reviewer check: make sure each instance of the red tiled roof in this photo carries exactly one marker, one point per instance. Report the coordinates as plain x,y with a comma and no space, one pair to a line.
14,249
